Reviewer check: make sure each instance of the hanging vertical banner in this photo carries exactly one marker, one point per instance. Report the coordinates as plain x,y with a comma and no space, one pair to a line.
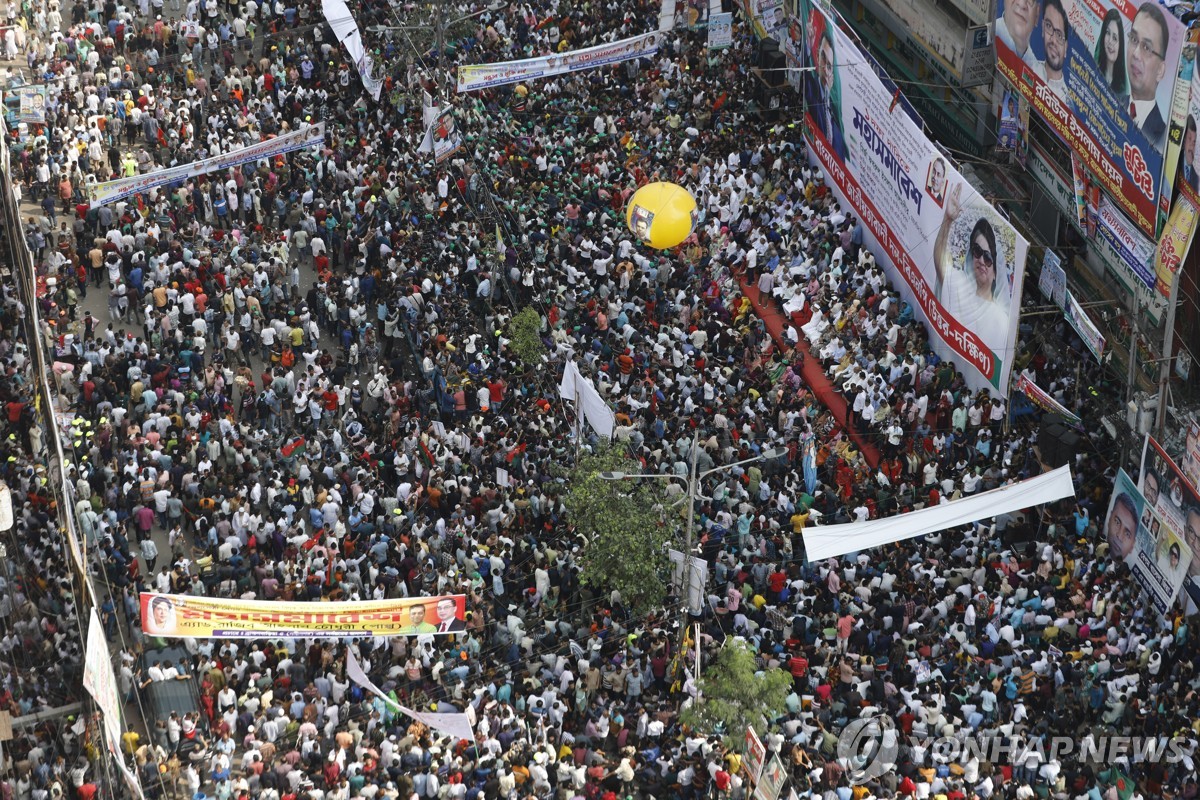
1087,198
952,255
720,31
99,679
1102,74
1083,325
1174,242
1007,134
1053,279
1180,108
1135,249
1188,171
1191,456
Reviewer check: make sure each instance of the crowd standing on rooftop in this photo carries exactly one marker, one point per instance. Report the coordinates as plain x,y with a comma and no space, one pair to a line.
300,388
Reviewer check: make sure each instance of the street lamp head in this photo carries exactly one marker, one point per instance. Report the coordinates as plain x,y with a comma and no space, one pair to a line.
774,452
612,476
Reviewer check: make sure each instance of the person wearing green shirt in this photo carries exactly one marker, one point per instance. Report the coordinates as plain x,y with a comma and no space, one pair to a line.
417,623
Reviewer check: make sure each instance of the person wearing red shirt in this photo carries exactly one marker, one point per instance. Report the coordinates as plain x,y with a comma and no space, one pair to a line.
798,666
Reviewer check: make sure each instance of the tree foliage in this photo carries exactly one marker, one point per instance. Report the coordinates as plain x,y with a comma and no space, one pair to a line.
735,693
622,525
524,337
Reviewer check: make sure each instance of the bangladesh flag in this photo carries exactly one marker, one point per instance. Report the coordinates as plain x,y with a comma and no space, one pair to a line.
294,447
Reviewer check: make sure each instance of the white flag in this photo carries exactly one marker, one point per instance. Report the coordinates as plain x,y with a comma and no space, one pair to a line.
455,725
574,386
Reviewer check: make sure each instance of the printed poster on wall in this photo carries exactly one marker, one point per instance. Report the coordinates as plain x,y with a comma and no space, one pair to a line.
1102,73
1158,558
1176,502
186,617
951,253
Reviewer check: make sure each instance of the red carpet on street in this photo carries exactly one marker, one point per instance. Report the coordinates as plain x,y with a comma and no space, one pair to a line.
816,379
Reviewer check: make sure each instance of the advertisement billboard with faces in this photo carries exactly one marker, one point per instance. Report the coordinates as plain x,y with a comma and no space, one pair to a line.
1176,502
1157,556
1102,73
952,255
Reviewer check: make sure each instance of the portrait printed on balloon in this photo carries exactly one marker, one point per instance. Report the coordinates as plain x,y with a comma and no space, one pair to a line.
640,222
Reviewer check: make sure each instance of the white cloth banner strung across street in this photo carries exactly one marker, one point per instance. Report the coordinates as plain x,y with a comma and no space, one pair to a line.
456,725
473,77
581,391
345,28
112,191
831,541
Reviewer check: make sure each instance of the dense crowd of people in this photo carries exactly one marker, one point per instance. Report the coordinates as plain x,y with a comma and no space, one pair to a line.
301,385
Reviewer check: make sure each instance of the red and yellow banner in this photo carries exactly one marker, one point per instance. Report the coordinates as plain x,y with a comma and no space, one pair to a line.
186,617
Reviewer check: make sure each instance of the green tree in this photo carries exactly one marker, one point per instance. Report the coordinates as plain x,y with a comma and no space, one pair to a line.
622,525
524,337
735,692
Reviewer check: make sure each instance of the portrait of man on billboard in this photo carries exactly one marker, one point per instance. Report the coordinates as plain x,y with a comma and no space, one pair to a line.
1148,40
822,95
935,183
1015,27
1055,32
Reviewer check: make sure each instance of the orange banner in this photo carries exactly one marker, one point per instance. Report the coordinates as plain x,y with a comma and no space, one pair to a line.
186,617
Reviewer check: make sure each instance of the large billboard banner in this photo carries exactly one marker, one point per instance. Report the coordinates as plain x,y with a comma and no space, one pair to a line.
1102,74
1158,558
186,617
953,255
1176,502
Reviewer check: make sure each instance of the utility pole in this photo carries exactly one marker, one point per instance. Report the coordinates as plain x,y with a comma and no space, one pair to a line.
693,492
1168,360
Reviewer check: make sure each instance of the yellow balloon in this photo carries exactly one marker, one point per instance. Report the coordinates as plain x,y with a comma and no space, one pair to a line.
661,215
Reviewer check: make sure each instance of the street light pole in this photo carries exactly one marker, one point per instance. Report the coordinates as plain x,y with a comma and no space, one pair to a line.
693,494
